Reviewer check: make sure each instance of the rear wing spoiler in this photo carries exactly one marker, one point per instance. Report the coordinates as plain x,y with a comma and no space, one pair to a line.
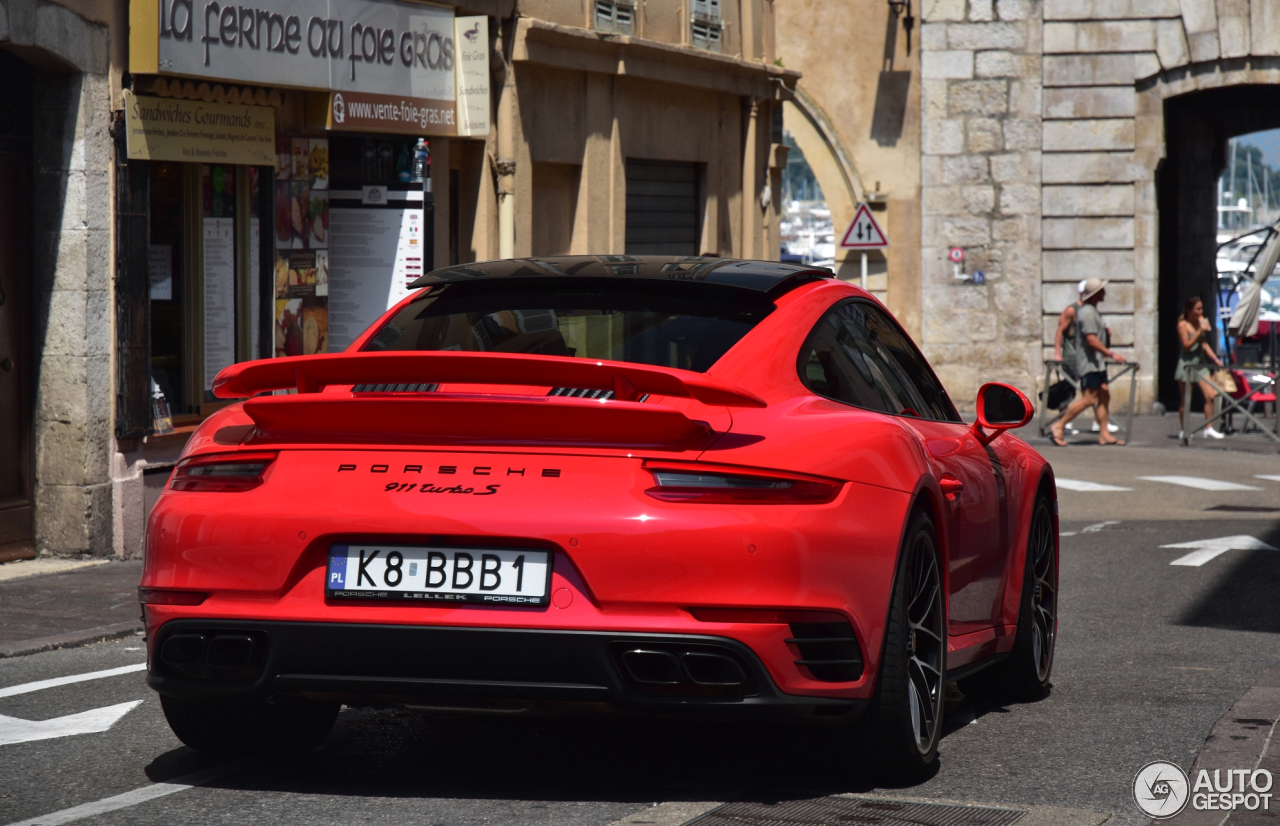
311,374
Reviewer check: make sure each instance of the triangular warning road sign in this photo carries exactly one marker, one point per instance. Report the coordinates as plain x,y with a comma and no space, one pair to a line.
863,232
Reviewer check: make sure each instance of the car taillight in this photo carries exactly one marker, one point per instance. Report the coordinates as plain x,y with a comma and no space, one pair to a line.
221,472
714,488
148,596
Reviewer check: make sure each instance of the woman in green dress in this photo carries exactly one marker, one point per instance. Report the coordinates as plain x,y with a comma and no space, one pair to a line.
1196,352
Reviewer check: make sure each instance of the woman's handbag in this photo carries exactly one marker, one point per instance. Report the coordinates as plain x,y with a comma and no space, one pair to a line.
1223,379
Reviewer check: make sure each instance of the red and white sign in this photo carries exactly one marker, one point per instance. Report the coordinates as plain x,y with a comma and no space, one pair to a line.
956,255
863,232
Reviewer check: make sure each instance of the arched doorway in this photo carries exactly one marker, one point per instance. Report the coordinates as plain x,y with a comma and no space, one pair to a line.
1198,127
826,159
16,363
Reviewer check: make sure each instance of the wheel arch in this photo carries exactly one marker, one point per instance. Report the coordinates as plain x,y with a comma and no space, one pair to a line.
1016,570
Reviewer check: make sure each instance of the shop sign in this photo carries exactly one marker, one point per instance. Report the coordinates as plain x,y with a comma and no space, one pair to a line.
397,114
163,129
471,39
384,47
367,112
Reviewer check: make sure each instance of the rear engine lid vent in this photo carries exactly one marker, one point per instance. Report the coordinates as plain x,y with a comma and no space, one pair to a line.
828,650
588,393
395,388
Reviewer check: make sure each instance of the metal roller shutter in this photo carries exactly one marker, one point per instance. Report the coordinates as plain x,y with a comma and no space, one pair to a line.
662,208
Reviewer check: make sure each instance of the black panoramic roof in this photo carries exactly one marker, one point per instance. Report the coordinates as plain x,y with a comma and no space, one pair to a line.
768,277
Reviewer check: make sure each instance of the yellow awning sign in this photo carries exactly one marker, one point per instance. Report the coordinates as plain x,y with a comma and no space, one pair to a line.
193,131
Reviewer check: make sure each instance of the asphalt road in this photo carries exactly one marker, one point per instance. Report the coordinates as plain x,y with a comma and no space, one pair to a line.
1150,656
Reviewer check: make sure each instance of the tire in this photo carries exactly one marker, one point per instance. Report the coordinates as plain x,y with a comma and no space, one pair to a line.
236,728
1023,675
904,722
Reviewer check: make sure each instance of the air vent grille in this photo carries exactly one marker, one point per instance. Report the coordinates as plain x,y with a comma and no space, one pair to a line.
395,388
588,393
829,650
582,393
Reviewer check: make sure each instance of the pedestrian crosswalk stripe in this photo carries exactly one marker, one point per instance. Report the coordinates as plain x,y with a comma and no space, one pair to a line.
74,678
1087,487
1268,478
140,795
1199,483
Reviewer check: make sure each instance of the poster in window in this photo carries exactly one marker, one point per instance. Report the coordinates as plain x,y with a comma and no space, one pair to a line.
302,326
300,213
301,159
283,221
318,220
302,274
322,272
319,163
302,240
160,271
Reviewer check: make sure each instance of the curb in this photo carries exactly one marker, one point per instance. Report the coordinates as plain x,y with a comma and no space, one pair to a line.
1240,739
71,639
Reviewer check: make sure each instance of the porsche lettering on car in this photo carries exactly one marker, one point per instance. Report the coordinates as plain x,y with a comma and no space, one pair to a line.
604,484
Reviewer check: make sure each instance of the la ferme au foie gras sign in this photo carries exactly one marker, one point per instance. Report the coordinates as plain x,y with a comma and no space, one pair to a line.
363,51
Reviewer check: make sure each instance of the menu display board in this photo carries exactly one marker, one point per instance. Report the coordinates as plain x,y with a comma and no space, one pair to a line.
219,237
377,249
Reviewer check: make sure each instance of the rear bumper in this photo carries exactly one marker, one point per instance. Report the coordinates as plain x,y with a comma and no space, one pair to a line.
481,669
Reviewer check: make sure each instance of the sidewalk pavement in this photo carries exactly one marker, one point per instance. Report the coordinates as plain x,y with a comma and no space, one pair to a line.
1243,738
1159,431
58,610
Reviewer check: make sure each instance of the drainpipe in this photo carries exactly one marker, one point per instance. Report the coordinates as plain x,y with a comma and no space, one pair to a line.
504,168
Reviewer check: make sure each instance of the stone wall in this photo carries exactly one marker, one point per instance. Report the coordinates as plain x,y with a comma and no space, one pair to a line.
71,273
980,179
1043,130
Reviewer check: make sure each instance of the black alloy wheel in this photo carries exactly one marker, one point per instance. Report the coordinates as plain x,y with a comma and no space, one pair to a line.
905,720
1023,675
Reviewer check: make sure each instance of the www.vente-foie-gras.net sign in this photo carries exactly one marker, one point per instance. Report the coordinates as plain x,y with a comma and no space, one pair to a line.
363,51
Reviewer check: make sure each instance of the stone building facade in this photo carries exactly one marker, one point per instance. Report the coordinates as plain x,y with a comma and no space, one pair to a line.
602,116
57,65
1057,140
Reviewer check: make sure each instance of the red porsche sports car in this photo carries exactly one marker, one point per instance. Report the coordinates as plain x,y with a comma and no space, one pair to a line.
655,485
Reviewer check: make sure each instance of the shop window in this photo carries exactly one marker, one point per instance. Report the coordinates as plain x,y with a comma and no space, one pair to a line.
301,240
254,262
368,239
204,265
614,16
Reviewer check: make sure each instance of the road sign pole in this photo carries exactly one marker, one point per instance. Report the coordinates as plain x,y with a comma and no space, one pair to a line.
864,270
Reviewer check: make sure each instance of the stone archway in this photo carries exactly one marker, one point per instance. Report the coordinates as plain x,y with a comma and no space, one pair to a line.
829,160
1197,109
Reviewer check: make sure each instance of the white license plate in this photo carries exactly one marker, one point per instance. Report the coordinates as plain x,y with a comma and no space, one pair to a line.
497,576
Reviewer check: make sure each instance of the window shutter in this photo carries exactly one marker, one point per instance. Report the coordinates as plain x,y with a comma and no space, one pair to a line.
663,208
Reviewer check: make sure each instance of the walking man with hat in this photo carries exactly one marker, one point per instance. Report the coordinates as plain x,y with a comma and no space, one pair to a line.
1091,367
1064,350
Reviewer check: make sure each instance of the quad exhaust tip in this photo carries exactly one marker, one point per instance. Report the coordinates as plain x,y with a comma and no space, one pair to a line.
652,667
222,651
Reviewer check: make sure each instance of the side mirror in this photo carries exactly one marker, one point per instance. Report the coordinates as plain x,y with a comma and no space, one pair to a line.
1000,408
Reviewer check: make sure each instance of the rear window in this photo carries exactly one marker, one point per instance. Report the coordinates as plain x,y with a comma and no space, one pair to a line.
684,325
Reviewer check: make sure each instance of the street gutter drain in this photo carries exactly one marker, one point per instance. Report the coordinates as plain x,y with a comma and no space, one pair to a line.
839,811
